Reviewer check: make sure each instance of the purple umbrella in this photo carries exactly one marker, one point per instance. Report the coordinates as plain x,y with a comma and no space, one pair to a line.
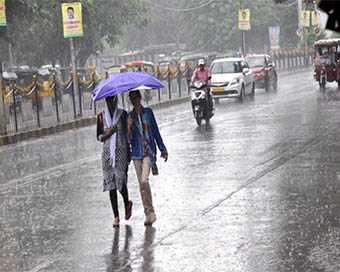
120,83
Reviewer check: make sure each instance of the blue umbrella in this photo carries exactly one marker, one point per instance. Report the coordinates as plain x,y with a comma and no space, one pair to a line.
120,83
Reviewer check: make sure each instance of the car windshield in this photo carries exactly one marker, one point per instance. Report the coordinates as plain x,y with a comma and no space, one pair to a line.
226,67
255,62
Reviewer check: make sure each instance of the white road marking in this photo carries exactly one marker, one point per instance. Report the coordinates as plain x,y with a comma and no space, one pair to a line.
41,266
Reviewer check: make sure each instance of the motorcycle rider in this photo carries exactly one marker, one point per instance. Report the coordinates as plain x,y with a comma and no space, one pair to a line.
203,73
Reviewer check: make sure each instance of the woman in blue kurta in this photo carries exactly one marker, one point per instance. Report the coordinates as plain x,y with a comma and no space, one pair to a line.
143,134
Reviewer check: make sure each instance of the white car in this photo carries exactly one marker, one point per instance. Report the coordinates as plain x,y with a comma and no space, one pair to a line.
231,78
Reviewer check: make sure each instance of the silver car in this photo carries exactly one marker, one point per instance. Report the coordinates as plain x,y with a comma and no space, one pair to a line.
231,78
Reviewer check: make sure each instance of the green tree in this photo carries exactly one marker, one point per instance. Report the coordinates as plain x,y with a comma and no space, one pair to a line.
36,34
165,27
289,1
215,27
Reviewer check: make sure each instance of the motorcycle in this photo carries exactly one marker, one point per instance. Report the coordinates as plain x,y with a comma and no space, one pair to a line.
201,102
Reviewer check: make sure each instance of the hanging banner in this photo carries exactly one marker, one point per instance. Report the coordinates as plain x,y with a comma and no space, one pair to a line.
304,18
316,18
244,19
2,13
72,20
274,37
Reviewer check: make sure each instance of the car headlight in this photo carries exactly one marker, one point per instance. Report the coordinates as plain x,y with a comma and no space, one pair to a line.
235,81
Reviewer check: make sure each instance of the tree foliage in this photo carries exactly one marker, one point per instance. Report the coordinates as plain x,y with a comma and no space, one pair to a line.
36,34
216,26
290,1
165,27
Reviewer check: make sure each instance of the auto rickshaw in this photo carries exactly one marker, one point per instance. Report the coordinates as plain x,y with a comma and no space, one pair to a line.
114,69
140,66
45,78
189,62
25,78
327,61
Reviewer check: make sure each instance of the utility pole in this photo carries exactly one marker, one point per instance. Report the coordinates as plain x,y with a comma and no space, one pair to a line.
75,77
74,71
305,36
299,6
10,56
243,34
3,129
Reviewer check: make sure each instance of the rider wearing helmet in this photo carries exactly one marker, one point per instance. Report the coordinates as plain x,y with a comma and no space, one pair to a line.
203,73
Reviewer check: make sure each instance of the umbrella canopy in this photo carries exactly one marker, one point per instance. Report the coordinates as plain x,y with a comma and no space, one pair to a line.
123,82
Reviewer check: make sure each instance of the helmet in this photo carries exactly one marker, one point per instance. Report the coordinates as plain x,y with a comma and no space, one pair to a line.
201,62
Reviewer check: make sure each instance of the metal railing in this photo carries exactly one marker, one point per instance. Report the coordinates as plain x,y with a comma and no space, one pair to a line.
44,105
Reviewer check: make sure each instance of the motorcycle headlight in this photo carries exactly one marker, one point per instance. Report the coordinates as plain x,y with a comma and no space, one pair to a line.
235,81
198,84
260,74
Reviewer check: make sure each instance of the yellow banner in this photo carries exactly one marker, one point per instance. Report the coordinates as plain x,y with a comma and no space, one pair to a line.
2,13
316,18
304,18
72,20
244,19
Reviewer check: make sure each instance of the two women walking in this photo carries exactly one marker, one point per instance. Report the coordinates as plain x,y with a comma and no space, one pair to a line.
118,131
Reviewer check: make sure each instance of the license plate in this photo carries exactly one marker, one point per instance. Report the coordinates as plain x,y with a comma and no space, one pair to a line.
218,89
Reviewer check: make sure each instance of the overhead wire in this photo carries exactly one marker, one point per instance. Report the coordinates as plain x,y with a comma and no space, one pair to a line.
287,5
206,4
182,9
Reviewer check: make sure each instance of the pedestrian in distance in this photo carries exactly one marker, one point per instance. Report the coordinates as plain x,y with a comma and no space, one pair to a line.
112,131
143,132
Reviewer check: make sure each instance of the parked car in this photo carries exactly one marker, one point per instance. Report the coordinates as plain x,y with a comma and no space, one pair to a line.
264,71
231,78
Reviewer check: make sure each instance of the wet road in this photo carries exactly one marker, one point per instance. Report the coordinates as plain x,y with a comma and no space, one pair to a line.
257,190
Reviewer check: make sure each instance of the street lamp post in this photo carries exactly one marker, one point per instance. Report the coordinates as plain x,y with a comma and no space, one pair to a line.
243,34
74,71
3,129
305,36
